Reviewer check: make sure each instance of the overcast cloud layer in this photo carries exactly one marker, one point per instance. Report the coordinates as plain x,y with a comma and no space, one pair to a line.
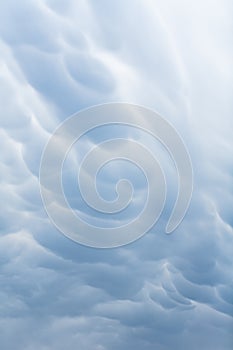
161,292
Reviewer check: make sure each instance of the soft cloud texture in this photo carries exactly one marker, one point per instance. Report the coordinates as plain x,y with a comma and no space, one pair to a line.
161,292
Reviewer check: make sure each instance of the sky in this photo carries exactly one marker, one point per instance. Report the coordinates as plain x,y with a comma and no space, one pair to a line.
162,291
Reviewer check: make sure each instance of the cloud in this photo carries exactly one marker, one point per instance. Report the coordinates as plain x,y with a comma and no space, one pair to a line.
162,291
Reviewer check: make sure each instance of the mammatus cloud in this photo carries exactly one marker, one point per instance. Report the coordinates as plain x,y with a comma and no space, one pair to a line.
160,292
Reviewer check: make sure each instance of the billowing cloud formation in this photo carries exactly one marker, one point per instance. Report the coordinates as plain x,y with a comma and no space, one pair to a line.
161,292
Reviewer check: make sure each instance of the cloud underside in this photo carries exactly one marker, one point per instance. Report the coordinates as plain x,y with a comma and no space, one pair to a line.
161,292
